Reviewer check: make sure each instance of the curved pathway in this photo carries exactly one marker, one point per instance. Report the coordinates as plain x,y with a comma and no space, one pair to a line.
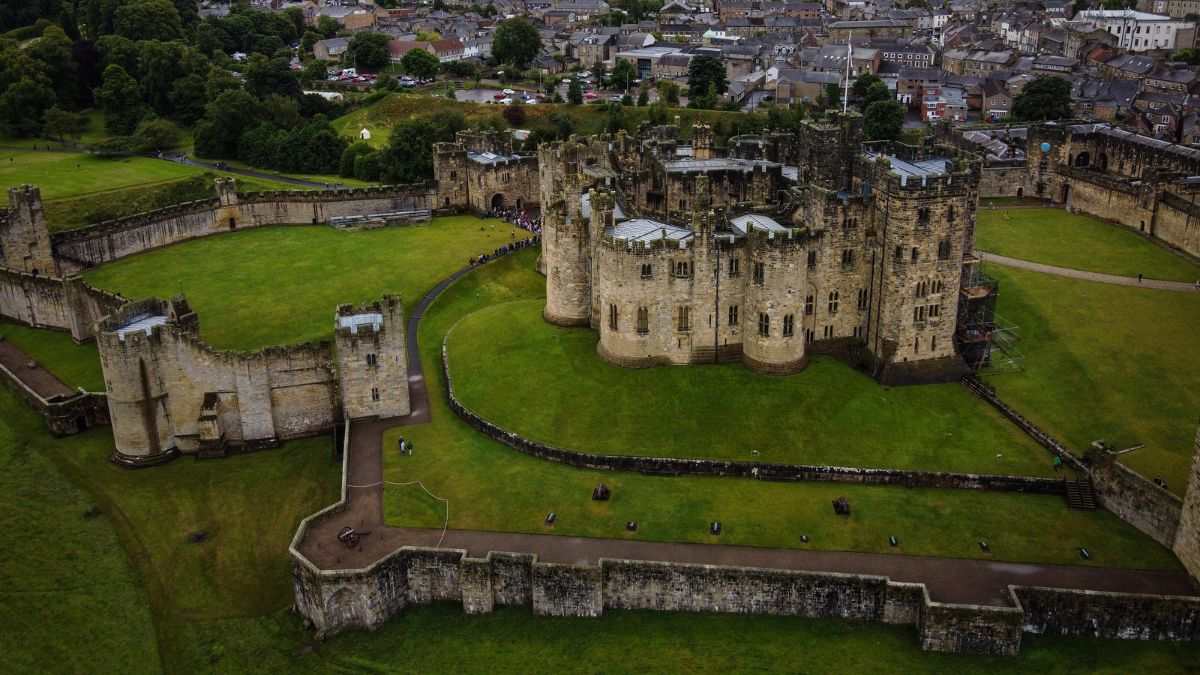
1114,279
948,579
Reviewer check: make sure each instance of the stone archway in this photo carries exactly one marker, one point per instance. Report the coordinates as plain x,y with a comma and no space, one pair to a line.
1083,159
497,201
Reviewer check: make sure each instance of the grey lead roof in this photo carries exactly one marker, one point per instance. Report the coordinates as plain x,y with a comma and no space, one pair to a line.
728,164
490,157
925,168
1163,146
642,229
743,224
143,323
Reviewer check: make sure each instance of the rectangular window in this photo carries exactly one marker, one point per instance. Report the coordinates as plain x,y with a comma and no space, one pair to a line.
833,302
372,359
612,317
734,265
923,216
684,322
950,213
789,325
760,273
944,249
932,343
643,321
808,306
683,269
647,271
812,260
733,315
916,253
898,255
847,258
374,393
862,298
916,344
764,325
935,310
828,332
809,336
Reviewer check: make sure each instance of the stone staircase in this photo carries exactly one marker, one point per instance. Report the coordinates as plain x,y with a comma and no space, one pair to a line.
1080,494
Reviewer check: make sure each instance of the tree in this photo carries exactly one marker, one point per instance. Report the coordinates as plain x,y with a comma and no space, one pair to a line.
514,115
160,65
623,75
878,91
883,121
643,98
1189,56
862,83
831,97
63,124
420,64
1046,98
409,155
271,76
705,73
228,116
328,26
574,92
148,20
156,134
188,98
53,50
616,118
307,40
668,92
349,156
23,107
517,42
368,50
121,100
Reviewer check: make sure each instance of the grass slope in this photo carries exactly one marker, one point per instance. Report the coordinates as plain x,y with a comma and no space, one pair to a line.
280,285
76,365
492,487
72,602
831,414
62,174
1106,362
1055,237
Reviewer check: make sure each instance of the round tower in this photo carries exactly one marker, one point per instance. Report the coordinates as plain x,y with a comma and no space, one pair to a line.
129,342
566,240
773,336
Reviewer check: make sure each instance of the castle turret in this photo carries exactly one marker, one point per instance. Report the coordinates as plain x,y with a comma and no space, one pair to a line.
128,342
372,359
24,237
229,214
566,237
450,173
702,141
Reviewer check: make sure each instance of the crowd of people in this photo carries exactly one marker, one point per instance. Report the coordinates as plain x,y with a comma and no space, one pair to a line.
530,222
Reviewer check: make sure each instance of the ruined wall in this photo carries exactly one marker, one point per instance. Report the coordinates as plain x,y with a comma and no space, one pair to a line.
1187,539
1151,509
24,239
1177,222
36,300
168,390
1005,181
115,239
1110,201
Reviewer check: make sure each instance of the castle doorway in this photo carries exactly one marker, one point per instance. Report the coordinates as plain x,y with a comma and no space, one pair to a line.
233,223
1083,160
1020,192
497,201
1066,193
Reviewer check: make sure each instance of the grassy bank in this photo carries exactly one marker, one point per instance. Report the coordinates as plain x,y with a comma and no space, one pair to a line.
1056,237
548,384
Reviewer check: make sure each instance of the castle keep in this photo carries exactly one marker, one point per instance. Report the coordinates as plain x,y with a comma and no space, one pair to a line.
480,172
785,245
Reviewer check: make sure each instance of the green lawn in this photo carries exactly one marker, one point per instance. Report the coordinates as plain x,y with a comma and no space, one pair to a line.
71,601
493,487
280,285
1106,362
1055,237
61,174
829,414
76,365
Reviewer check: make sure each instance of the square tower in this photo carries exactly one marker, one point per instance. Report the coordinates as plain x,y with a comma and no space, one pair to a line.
372,359
24,238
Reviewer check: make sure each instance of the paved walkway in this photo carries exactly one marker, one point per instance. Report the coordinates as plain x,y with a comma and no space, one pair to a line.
39,380
948,579
1005,261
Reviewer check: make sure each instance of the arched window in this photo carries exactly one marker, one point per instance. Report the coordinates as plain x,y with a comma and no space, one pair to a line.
643,321
789,325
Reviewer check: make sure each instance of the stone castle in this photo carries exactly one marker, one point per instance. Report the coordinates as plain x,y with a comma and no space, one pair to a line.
782,246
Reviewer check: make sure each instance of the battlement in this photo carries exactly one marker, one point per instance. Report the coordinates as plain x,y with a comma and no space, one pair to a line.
369,318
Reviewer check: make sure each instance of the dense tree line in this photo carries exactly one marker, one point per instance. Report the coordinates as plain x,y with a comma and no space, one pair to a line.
153,66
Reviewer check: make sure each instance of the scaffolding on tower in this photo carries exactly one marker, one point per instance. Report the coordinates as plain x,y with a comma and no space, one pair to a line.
986,341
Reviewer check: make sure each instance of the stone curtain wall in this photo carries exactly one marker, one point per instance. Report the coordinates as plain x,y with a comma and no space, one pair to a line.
1177,222
116,239
1153,510
1187,542
970,629
38,301
1120,616
758,470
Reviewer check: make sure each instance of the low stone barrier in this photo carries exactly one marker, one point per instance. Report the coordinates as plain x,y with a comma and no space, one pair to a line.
668,466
